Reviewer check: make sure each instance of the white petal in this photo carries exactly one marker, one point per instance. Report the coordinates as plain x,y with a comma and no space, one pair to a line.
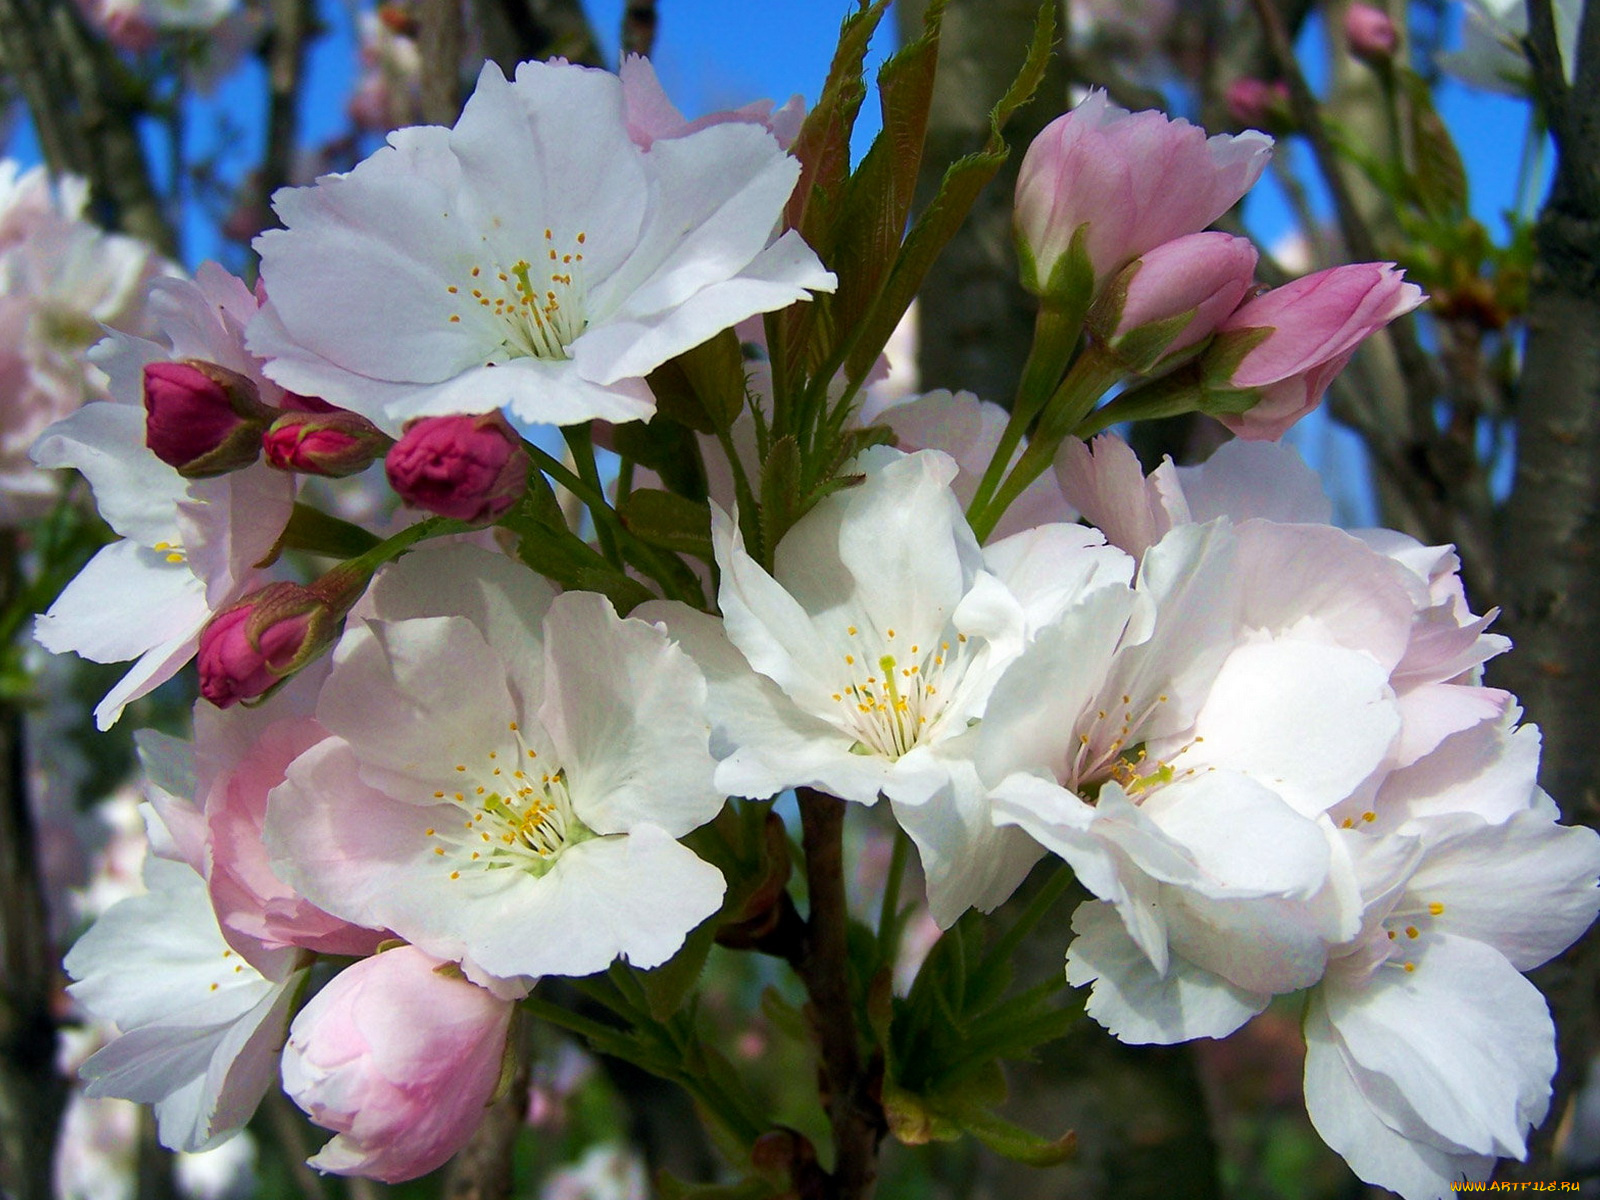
125,601
1345,1119
134,490
1462,1045
636,896
415,699
1309,721
626,710
1245,479
1135,1003
1526,887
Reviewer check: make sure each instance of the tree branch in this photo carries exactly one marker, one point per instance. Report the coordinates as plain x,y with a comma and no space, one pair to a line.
851,1088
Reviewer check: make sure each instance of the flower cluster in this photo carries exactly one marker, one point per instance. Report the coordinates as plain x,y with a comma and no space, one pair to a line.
475,757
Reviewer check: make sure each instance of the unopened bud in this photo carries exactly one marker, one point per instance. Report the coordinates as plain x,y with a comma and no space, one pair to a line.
471,468
202,419
1172,298
1371,33
336,443
1257,104
250,648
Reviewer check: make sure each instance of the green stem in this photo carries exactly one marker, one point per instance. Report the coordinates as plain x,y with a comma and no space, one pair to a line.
1043,901
582,447
889,912
1095,370
1055,336
644,556
392,548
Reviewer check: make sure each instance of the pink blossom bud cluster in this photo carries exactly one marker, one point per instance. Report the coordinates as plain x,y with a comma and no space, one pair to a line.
1105,228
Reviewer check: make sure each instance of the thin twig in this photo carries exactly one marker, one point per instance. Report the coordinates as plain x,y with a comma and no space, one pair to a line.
853,1110
639,24
285,55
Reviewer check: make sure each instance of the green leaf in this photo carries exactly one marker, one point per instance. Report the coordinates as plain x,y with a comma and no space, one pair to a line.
666,987
666,446
668,520
944,215
877,197
781,503
1016,1143
703,388
1438,174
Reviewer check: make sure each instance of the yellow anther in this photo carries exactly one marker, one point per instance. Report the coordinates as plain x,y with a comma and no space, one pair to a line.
1436,908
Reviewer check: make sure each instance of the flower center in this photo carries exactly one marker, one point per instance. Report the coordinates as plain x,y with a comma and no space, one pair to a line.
1402,929
538,306
1110,747
511,810
892,699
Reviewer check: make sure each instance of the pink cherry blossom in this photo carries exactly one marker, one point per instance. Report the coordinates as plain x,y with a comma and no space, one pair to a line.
650,115
1314,323
398,1055
1130,181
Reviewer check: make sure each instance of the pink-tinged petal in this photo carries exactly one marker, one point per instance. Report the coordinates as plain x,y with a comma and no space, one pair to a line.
1526,887
504,600
168,764
1244,480
1309,721
1104,481
1140,1006
1460,1048
1488,769
1345,1118
626,712
416,699
1319,583
357,853
400,1060
1431,712
257,910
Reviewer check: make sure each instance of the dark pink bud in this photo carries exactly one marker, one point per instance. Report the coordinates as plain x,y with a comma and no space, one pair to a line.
202,419
1371,33
1259,104
333,443
472,468
248,649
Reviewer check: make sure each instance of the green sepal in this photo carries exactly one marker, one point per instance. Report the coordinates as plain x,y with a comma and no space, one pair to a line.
1070,287
668,520
1227,350
1142,349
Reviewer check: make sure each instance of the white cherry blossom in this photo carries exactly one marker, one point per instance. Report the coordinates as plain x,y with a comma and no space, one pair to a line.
532,257
506,777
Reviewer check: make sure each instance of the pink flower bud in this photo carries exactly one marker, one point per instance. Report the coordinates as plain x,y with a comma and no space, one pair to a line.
202,419
248,649
398,1055
1370,32
1260,104
1173,297
1118,184
466,467
336,443
1286,345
